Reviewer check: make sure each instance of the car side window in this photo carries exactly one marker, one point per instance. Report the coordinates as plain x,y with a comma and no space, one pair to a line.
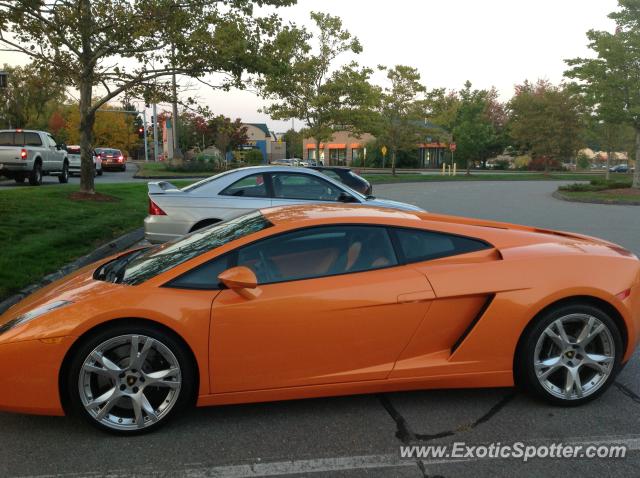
418,245
303,186
205,276
51,141
318,252
252,186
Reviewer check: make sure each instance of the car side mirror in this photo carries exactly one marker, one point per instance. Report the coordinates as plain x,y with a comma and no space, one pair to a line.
241,280
345,197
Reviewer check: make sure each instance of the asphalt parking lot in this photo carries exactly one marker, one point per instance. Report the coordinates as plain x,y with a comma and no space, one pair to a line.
107,177
360,435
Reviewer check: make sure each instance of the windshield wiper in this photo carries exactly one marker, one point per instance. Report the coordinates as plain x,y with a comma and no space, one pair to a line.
369,197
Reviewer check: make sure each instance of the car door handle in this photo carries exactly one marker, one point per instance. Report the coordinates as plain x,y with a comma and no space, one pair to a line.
419,296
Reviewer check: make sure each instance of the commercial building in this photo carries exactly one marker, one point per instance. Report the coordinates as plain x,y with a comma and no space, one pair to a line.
345,149
261,138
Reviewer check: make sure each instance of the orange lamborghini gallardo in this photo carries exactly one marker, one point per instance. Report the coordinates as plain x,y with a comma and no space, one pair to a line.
309,301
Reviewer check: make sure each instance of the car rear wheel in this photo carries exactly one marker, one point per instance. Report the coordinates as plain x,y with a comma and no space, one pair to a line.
130,379
35,177
571,354
64,175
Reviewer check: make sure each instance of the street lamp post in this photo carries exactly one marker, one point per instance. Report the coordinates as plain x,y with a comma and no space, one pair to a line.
4,84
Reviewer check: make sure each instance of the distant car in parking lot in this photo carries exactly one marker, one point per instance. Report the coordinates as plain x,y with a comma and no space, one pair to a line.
174,212
346,176
112,159
73,153
620,168
287,162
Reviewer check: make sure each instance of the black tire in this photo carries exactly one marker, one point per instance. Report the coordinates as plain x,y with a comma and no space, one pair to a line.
72,378
572,314
19,179
63,177
35,177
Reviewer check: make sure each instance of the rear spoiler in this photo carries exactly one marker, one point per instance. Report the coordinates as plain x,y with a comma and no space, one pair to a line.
161,187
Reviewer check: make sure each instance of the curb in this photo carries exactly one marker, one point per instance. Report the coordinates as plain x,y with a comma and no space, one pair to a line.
119,244
608,202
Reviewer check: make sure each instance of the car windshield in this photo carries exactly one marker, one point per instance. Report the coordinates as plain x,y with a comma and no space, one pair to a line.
109,152
157,260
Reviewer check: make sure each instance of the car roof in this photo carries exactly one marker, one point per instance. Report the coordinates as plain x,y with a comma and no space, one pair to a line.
300,213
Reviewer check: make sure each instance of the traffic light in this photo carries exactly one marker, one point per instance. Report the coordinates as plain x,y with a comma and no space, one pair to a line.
140,132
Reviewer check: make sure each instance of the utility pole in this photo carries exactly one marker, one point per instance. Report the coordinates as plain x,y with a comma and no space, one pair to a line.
174,120
155,133
144,125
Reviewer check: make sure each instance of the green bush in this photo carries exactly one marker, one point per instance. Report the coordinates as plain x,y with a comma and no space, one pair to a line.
596,185
253,157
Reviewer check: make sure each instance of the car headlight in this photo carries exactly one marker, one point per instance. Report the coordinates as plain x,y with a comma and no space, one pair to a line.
32,314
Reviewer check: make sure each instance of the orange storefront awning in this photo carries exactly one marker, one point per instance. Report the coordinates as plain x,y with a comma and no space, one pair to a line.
431,145
356,146
337,146
313,146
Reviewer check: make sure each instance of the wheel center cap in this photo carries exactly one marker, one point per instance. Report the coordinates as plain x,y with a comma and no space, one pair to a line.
570,354
131,380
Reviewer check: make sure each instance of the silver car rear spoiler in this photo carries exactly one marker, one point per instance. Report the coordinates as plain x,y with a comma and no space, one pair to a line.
161,187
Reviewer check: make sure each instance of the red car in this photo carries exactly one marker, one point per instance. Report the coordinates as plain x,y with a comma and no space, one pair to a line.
112,159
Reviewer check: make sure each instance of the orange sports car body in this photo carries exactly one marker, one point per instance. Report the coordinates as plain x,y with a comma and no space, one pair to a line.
309,301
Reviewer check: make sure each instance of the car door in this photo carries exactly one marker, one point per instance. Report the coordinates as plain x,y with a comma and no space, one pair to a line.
332,305
54,155
294,188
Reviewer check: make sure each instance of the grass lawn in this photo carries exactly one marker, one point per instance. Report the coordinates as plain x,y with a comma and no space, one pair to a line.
43,229
410,177
158,170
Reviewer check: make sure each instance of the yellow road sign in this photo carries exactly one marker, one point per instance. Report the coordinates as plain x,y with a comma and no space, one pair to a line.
383,150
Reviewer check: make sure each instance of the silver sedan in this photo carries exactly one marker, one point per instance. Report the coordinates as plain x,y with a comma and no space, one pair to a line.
174,212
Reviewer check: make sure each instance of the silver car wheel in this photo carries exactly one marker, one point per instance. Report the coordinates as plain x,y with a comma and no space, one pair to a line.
574,356
130,382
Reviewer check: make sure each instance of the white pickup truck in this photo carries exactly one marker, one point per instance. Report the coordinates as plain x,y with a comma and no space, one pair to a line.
28,154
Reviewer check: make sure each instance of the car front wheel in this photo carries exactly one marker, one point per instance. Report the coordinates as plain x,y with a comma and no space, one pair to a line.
130,380
571,354
63,178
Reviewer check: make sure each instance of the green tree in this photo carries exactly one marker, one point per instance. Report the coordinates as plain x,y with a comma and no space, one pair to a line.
546,120
400,125
32,95
324,96
294,139
107,47
611,81
475,132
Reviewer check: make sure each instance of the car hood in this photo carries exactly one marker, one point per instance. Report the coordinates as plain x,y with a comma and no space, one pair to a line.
392,204
75,288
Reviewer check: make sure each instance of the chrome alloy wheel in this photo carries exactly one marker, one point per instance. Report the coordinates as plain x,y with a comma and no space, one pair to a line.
574,356
129,382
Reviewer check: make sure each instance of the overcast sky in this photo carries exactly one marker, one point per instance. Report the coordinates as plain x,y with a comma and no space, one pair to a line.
489,42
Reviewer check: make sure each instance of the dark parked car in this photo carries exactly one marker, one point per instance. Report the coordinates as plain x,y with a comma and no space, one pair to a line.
111,159
621,168
348,177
